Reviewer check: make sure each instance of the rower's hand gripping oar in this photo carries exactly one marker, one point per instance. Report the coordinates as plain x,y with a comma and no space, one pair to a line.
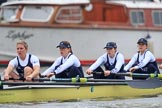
152,82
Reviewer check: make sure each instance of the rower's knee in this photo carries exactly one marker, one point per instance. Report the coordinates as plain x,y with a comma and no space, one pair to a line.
28,70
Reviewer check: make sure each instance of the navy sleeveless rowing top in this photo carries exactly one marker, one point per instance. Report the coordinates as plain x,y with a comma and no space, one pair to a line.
108,66
20,69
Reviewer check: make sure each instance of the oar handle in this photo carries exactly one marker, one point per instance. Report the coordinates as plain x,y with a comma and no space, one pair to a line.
23,79
97,72
34,79
42,76
119,74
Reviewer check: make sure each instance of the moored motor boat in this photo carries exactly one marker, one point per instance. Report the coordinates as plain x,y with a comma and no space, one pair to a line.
87,24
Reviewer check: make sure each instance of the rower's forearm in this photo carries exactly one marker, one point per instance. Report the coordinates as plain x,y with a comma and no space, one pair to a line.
8,71
35,73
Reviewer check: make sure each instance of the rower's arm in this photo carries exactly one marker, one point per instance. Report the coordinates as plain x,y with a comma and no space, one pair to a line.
7,71
36,70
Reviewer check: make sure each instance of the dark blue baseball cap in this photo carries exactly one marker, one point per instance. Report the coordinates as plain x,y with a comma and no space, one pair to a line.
111,45
64,44
142,40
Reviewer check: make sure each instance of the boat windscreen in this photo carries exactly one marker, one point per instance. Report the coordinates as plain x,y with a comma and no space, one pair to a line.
30,13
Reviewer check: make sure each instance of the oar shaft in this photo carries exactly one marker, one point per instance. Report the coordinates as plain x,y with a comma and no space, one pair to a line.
90,80
137,75
53,79
140,75
78,80
62,83
75,80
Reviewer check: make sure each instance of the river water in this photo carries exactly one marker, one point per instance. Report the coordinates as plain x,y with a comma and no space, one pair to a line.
152,102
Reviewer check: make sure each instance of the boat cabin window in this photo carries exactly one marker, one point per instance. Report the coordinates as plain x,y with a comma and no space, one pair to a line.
137,17
9,13
69,14
157,18
37,13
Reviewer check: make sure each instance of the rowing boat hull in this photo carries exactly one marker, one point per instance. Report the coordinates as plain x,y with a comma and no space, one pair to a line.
68,93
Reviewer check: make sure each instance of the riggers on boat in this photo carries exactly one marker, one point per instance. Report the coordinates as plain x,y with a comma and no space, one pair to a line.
86,24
